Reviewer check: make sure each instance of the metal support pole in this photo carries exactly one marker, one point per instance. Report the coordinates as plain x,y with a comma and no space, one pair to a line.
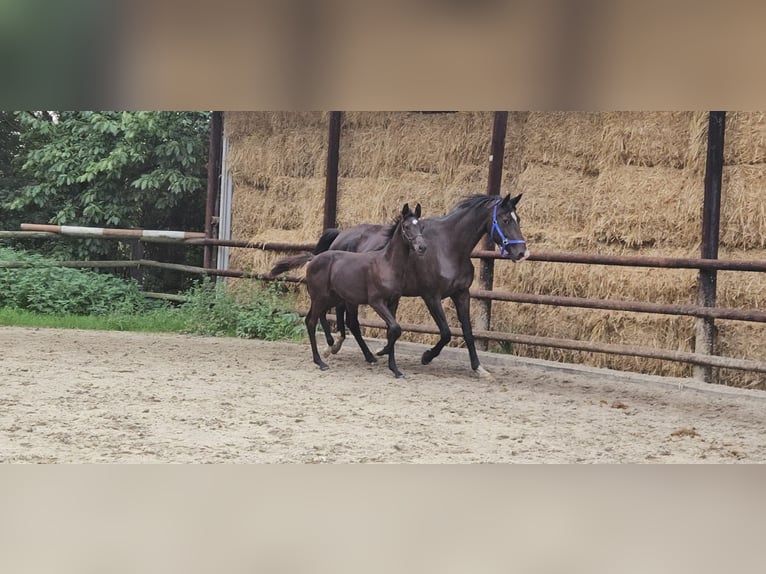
331,182
213,181
711,218
487,266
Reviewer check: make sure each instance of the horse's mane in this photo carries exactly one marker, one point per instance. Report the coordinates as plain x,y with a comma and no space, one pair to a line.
477,200
388,231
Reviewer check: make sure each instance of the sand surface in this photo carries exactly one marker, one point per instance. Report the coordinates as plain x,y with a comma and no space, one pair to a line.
69,396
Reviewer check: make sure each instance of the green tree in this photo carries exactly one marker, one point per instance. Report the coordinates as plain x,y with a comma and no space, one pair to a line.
114,169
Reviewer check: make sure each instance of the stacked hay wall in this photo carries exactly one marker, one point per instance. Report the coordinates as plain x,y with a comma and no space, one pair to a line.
611,183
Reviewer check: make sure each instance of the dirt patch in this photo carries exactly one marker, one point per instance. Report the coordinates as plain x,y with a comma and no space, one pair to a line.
91,396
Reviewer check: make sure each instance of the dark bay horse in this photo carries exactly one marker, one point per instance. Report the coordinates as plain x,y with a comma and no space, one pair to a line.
375,278
446,269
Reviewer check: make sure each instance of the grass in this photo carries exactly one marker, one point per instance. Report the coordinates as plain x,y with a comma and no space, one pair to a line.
157,321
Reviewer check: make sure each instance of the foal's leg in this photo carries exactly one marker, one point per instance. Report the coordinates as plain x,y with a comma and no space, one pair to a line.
392,306
434,305
327,331
353,325
393,332
311,326
462,301
340,312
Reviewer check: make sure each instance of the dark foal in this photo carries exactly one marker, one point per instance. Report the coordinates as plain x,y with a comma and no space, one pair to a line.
375,278
446,269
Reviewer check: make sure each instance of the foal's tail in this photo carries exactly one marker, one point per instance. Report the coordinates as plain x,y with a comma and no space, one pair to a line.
296,261
292,262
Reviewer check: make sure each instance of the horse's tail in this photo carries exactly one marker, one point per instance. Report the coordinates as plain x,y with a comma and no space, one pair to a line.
326,240
292,262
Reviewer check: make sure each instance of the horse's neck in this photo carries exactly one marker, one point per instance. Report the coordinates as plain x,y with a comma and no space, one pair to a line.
466,227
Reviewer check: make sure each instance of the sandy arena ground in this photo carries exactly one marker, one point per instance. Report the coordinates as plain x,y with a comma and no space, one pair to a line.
90,396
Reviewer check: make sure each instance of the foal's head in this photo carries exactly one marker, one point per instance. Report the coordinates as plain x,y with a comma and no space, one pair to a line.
411,228
506,229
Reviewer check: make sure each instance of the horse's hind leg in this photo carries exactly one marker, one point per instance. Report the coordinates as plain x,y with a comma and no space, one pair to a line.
327,331
340,311
311,327
352,312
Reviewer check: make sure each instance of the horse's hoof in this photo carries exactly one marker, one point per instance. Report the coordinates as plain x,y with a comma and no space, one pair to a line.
483,373
323,367
427,358
336,346
399,375
372,360
382,352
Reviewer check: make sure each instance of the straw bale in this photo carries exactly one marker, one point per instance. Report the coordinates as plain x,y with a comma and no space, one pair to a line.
257,158
742,341
648,139
556,206
637,206
239,124
570,140
743,206
745,138
412,142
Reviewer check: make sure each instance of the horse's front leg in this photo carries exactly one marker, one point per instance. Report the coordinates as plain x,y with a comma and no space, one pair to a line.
393,332
462,301
434,305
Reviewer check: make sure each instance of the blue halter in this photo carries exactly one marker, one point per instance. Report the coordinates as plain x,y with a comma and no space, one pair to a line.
504,241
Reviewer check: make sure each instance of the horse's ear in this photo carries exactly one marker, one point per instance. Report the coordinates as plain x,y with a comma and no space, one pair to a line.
505,204
516,199
417,211
406,210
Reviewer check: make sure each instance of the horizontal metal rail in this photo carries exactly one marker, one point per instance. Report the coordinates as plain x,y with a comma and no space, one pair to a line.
617,305
543,256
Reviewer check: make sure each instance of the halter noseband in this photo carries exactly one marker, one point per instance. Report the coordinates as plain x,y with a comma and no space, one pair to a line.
504,241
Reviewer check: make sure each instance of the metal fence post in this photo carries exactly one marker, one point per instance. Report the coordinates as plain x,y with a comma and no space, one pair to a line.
331,181
704,342
487,266
213,182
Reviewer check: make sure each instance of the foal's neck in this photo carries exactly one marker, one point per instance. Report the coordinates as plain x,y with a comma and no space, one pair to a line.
397,248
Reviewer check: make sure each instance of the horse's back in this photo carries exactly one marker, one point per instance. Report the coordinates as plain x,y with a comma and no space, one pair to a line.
363,237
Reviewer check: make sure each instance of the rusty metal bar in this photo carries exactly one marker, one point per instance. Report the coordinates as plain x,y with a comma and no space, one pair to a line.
704,341
487,268
213,179
589,347
331,180
635,261
617,305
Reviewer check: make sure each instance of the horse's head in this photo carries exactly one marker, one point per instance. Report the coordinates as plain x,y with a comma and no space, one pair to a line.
412,229
506,229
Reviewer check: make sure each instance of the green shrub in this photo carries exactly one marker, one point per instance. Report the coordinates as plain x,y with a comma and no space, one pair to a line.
255,311
59,290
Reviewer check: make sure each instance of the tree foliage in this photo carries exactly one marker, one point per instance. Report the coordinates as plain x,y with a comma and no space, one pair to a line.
113,169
